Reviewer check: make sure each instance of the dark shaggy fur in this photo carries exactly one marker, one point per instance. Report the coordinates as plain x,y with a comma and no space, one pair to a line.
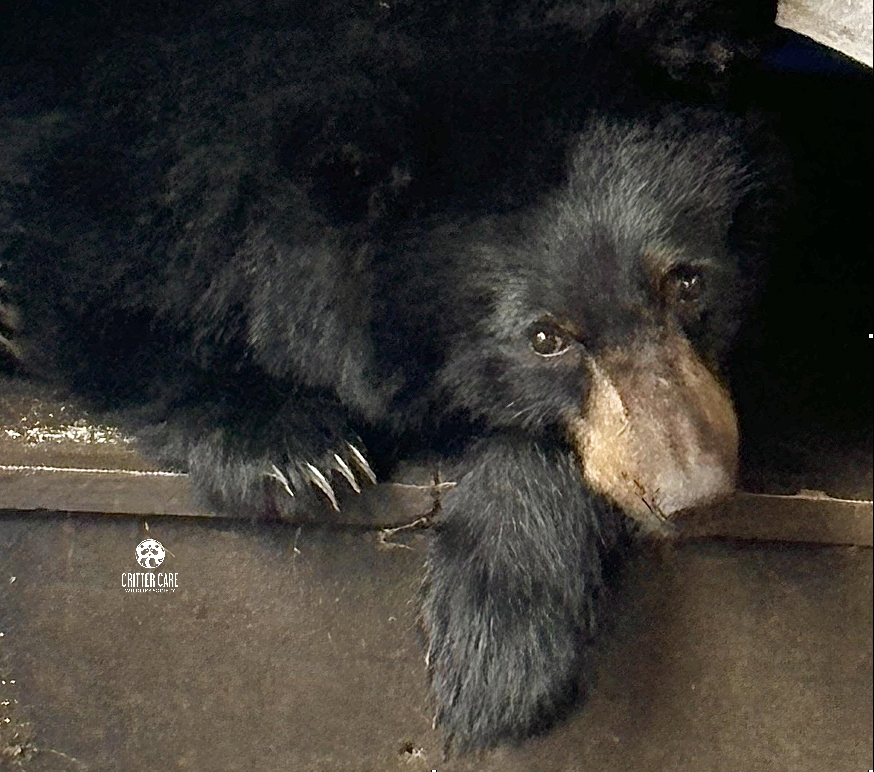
264,237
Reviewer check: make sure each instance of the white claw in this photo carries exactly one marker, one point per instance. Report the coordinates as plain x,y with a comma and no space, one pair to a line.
343,468
7,344
9,317
362,462
276,473
318,479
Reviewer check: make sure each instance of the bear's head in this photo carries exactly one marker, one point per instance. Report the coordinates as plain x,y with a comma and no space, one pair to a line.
603,312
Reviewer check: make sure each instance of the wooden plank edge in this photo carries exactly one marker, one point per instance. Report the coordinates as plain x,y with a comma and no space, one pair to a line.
808,516
35,488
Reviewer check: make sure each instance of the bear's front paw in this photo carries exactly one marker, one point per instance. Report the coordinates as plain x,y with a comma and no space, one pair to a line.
502,665
346,462
302,458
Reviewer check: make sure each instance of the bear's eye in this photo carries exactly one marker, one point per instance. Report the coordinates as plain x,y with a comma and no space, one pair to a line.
547,341
683,287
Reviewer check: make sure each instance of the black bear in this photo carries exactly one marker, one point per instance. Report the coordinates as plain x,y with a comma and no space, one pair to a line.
274,241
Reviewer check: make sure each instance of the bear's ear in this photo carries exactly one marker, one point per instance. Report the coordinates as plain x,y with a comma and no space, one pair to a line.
658,433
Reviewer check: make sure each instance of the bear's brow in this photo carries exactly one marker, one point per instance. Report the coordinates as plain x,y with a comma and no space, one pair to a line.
659,260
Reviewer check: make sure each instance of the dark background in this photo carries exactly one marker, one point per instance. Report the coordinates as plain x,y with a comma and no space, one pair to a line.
802,370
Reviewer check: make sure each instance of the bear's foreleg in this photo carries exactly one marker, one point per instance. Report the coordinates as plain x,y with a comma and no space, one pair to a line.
510,593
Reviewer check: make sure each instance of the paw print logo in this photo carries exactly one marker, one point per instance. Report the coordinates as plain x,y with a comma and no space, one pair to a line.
150,553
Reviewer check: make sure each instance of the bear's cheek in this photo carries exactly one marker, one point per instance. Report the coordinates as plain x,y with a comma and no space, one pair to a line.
658,433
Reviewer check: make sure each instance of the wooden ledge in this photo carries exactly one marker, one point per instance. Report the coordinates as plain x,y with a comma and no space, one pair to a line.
53,458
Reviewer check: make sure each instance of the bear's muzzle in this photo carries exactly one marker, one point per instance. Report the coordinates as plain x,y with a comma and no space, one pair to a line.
658,433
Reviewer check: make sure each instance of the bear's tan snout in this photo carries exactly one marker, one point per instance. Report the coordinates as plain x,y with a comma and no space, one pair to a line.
658,432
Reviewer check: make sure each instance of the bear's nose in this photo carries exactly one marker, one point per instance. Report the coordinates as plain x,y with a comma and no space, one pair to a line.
677,488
